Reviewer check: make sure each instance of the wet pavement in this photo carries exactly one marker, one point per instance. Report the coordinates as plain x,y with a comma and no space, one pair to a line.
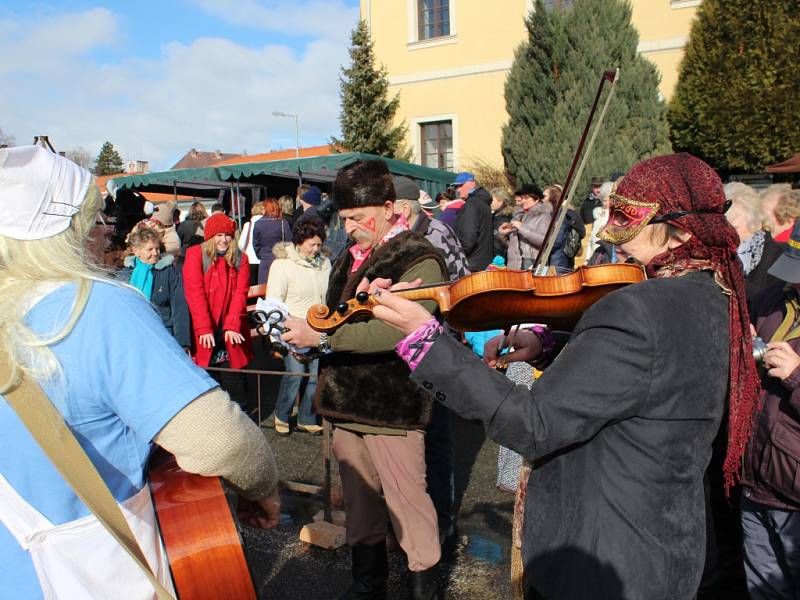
476,560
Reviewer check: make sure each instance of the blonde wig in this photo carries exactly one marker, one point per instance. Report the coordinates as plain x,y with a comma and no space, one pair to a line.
30,268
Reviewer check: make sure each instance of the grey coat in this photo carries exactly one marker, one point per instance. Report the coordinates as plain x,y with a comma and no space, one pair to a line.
620,427
526,241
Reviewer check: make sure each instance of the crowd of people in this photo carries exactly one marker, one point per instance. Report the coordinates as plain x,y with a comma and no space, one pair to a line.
655,405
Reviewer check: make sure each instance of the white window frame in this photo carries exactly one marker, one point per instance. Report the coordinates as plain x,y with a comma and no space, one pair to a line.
677,4
416,125
414,43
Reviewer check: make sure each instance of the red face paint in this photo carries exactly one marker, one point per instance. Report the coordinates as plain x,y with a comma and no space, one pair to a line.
369,224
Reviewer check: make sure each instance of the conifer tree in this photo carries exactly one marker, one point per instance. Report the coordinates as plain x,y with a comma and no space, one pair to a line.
737,101
108,161
553,81
367,113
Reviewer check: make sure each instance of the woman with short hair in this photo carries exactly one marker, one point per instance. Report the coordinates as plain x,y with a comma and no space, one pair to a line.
502,211
270,229
757,249
156,276
299,278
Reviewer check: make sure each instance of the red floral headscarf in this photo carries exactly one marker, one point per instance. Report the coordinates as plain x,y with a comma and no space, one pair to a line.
682,183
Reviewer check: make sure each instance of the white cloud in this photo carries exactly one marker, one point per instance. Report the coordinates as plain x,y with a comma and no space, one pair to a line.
320,18
212,93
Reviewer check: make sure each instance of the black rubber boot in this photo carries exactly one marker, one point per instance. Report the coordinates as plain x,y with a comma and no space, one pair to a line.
370,570
425,584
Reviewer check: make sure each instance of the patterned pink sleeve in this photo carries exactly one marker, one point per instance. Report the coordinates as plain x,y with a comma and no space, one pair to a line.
415,345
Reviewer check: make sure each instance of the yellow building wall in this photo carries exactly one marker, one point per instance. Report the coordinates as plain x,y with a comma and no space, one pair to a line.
461,77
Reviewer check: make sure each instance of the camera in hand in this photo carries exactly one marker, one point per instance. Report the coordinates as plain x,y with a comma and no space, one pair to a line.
759,349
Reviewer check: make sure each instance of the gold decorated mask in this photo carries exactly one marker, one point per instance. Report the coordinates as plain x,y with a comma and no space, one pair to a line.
626,218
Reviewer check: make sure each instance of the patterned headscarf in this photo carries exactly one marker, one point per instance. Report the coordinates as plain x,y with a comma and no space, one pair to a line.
680,184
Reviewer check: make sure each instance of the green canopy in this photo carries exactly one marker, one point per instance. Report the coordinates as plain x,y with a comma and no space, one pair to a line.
320,169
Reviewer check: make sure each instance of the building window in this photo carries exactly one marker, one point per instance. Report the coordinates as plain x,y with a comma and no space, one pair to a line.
437,145
433,18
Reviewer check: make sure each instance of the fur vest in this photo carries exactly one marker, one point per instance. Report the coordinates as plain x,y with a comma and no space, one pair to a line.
374,389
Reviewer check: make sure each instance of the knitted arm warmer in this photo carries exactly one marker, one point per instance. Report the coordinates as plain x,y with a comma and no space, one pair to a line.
211,436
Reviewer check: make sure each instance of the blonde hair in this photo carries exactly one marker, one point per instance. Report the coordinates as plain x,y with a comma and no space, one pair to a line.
502,194
231,256
746,199
25,267
257,209
287,204
139,237
788,207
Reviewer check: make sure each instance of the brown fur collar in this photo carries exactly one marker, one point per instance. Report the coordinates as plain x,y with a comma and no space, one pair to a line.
374,389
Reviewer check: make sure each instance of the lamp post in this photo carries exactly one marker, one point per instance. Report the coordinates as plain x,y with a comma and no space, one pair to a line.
277,113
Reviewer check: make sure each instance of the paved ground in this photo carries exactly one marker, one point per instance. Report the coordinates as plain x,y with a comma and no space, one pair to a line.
476,562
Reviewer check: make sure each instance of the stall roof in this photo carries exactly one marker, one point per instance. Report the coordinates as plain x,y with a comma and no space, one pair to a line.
318,168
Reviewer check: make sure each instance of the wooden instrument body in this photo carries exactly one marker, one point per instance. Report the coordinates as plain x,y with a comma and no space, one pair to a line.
520,297
203,544
502,298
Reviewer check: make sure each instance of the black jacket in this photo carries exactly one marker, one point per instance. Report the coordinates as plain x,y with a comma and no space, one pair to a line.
188,234
759,279
168,298
474,229
620,427
499,218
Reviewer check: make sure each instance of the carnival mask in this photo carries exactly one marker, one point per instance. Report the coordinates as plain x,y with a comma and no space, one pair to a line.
626,218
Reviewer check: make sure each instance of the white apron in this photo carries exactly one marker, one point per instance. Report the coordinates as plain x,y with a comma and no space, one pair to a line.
80,560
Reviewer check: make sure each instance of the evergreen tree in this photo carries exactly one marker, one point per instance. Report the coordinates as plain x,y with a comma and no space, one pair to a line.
367,114
737,101
108,162
553,81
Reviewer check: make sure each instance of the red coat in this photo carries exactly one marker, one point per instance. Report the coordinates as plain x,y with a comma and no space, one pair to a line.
217,299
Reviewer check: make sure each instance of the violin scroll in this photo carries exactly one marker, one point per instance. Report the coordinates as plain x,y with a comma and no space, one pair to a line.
322,319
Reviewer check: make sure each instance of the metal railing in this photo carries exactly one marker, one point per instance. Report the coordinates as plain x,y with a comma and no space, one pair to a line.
323,491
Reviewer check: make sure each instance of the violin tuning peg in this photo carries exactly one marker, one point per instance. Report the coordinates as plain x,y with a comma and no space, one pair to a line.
342,308
362,297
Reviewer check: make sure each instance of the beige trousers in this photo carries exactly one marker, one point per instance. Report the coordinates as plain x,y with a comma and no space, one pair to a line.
383,477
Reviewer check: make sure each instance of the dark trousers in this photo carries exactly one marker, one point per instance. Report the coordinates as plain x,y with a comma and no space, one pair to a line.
236,385
771,551
439,465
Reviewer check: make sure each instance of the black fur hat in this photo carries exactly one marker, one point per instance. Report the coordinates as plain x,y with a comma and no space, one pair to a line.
364,183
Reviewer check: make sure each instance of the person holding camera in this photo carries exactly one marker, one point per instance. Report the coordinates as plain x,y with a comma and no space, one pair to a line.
771,489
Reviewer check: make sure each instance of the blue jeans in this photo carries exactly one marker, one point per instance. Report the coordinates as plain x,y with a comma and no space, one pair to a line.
290,385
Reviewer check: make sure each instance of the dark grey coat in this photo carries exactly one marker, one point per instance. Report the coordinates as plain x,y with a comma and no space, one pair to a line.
620,427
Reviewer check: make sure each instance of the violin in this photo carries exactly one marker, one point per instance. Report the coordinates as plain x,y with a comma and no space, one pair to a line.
503,298
499,299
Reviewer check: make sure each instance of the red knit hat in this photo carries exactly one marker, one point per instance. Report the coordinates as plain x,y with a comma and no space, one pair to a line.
219,223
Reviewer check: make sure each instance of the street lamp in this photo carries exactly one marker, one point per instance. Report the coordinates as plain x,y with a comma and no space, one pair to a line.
277,113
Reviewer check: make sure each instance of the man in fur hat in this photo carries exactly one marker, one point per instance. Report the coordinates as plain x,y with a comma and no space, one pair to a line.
364,389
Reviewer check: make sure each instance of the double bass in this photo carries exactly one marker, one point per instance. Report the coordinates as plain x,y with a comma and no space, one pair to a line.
503,298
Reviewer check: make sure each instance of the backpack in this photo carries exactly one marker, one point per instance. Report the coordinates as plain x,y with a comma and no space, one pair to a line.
572,242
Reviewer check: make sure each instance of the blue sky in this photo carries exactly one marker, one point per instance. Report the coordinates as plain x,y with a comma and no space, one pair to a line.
158,78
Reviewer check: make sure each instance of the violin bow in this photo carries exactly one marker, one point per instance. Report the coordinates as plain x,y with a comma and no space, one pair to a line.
567,192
